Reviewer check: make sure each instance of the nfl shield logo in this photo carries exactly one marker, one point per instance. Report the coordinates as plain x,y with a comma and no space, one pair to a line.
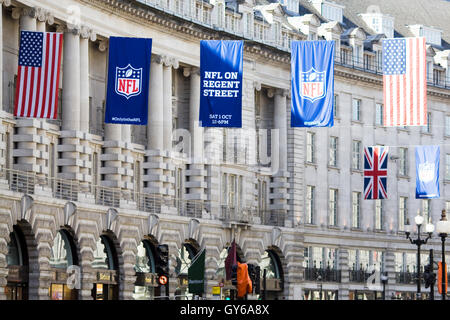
312,85
426,171
128,81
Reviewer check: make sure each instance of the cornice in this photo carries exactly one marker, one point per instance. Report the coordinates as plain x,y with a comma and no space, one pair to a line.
194,31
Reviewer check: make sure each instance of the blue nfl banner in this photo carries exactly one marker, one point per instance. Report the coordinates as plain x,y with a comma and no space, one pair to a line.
221,83
427,172
312,82
128,80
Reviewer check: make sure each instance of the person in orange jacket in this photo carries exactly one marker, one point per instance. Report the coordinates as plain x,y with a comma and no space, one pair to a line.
244,284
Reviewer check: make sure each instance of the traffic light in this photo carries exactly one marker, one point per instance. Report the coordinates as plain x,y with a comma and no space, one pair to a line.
162,267
234,274
257,280
252,273
429,276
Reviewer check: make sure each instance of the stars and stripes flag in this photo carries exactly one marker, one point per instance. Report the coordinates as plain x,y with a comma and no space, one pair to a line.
405,82
38,75
375,172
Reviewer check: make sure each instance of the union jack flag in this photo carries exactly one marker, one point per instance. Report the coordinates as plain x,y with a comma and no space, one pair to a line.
375,172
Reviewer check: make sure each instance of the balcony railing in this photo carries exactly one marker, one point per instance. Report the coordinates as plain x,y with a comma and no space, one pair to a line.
359,276
272,217
324,275
73,190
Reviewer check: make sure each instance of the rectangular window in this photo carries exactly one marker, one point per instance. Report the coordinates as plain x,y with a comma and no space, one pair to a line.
262,192
224,189
356,110
310,147
378,214
310,190
335,106
402,213
232,191
403,161
356,209
332,207
379,114
447,126
356,155
427,128
332,161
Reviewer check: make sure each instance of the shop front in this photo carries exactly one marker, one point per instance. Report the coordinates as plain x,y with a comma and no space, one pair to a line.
185,255
365,295
106,267
63,256
146,286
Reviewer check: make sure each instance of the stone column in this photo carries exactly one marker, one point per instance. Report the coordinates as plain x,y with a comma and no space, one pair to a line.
154,165
279,183
196,172
167,101
43,17
71,80
86,35
27,19
156,104
6,3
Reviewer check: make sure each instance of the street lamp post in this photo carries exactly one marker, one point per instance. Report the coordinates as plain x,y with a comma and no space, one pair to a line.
429,228
443,229
384,280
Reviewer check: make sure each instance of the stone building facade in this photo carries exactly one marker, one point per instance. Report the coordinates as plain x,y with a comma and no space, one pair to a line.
288,196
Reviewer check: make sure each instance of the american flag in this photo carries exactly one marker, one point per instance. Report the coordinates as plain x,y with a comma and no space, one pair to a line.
375,172
38,74
405,82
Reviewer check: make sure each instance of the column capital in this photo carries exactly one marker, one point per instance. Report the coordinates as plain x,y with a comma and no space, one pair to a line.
6,3
157,58
188,71
44,16
282,92
170,61
72,28
257,85
88,33
18,12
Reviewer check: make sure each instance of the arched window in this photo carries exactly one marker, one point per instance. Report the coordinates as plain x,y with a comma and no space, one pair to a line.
106,262
145,258
63,251
16,249
63,255
17,261
105,254
185,255
271,263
